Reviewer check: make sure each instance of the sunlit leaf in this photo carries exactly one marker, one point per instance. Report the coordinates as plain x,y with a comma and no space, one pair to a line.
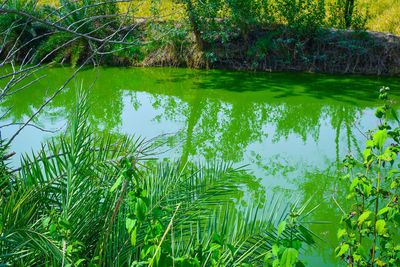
379,138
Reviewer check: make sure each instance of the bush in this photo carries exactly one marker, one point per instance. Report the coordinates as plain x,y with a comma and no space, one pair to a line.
369,229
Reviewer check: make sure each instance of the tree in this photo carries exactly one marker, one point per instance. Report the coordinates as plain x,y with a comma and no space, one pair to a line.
24,25
348,12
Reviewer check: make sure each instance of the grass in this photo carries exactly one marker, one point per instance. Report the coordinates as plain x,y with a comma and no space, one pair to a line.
385,15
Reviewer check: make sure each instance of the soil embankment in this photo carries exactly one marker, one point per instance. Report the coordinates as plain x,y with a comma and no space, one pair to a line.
282,49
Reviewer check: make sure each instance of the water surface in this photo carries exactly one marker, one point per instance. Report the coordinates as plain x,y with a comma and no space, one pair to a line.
292,130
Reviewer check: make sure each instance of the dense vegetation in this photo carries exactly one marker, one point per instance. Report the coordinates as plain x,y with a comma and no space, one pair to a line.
98,199
91,199
370,229
259,35
382,15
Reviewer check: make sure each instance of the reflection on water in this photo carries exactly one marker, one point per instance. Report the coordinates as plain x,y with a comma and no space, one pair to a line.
291,129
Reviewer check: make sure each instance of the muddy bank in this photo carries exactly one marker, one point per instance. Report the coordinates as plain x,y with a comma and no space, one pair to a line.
280,49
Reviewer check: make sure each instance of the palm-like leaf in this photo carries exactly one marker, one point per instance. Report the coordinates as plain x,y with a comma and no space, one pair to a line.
63,206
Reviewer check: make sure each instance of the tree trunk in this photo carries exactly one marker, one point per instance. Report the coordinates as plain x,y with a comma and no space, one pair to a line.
348,12
194,24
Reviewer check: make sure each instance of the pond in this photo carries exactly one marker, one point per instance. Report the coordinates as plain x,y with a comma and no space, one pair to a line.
290,130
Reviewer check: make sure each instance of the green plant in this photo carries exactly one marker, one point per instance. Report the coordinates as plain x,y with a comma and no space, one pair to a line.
344,15
262,47
88,199
368,236
306,16
84,17
20,34
292,234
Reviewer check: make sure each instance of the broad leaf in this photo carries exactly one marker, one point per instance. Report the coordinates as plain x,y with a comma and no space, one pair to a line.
281,228
289,257
380,227
379,138
363,216
343,249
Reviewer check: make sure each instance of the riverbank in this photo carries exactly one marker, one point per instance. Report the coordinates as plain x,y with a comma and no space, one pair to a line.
276,48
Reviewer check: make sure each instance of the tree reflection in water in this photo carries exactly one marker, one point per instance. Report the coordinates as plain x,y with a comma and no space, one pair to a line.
291,129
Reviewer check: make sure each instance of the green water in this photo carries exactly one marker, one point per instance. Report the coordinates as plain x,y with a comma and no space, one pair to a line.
291,130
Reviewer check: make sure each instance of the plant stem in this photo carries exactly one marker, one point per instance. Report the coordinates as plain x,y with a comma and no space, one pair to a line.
376,209
363,203
165,234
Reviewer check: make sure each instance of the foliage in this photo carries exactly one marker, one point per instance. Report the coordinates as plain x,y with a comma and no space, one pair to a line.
21,32
306,16
88,199
291,28
357,19
80,17
369,229
383,15
287,248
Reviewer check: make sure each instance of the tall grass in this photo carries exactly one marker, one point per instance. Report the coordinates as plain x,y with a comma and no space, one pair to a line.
384,15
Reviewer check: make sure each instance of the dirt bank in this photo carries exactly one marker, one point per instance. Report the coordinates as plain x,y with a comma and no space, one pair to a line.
281,49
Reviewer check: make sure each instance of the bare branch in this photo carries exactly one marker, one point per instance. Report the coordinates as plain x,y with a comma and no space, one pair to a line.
32,125
16,51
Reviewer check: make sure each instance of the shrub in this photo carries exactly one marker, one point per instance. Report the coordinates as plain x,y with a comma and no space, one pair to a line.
369,229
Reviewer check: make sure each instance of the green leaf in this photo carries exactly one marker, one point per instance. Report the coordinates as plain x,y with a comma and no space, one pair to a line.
369,143
341,232
380,112
46,222
380,226
275,250
393,172
394,114
300,264
53,228
140,209
289,257
367,153
343,249
143,193
363,216
157,213
217,239
357,257
388,155
362,251
267,257
130,223
281,228
65,224
379,138
354,183
233,249
383,211
214,246
133,237
306,234
117,183
79,262
367,188
136,176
